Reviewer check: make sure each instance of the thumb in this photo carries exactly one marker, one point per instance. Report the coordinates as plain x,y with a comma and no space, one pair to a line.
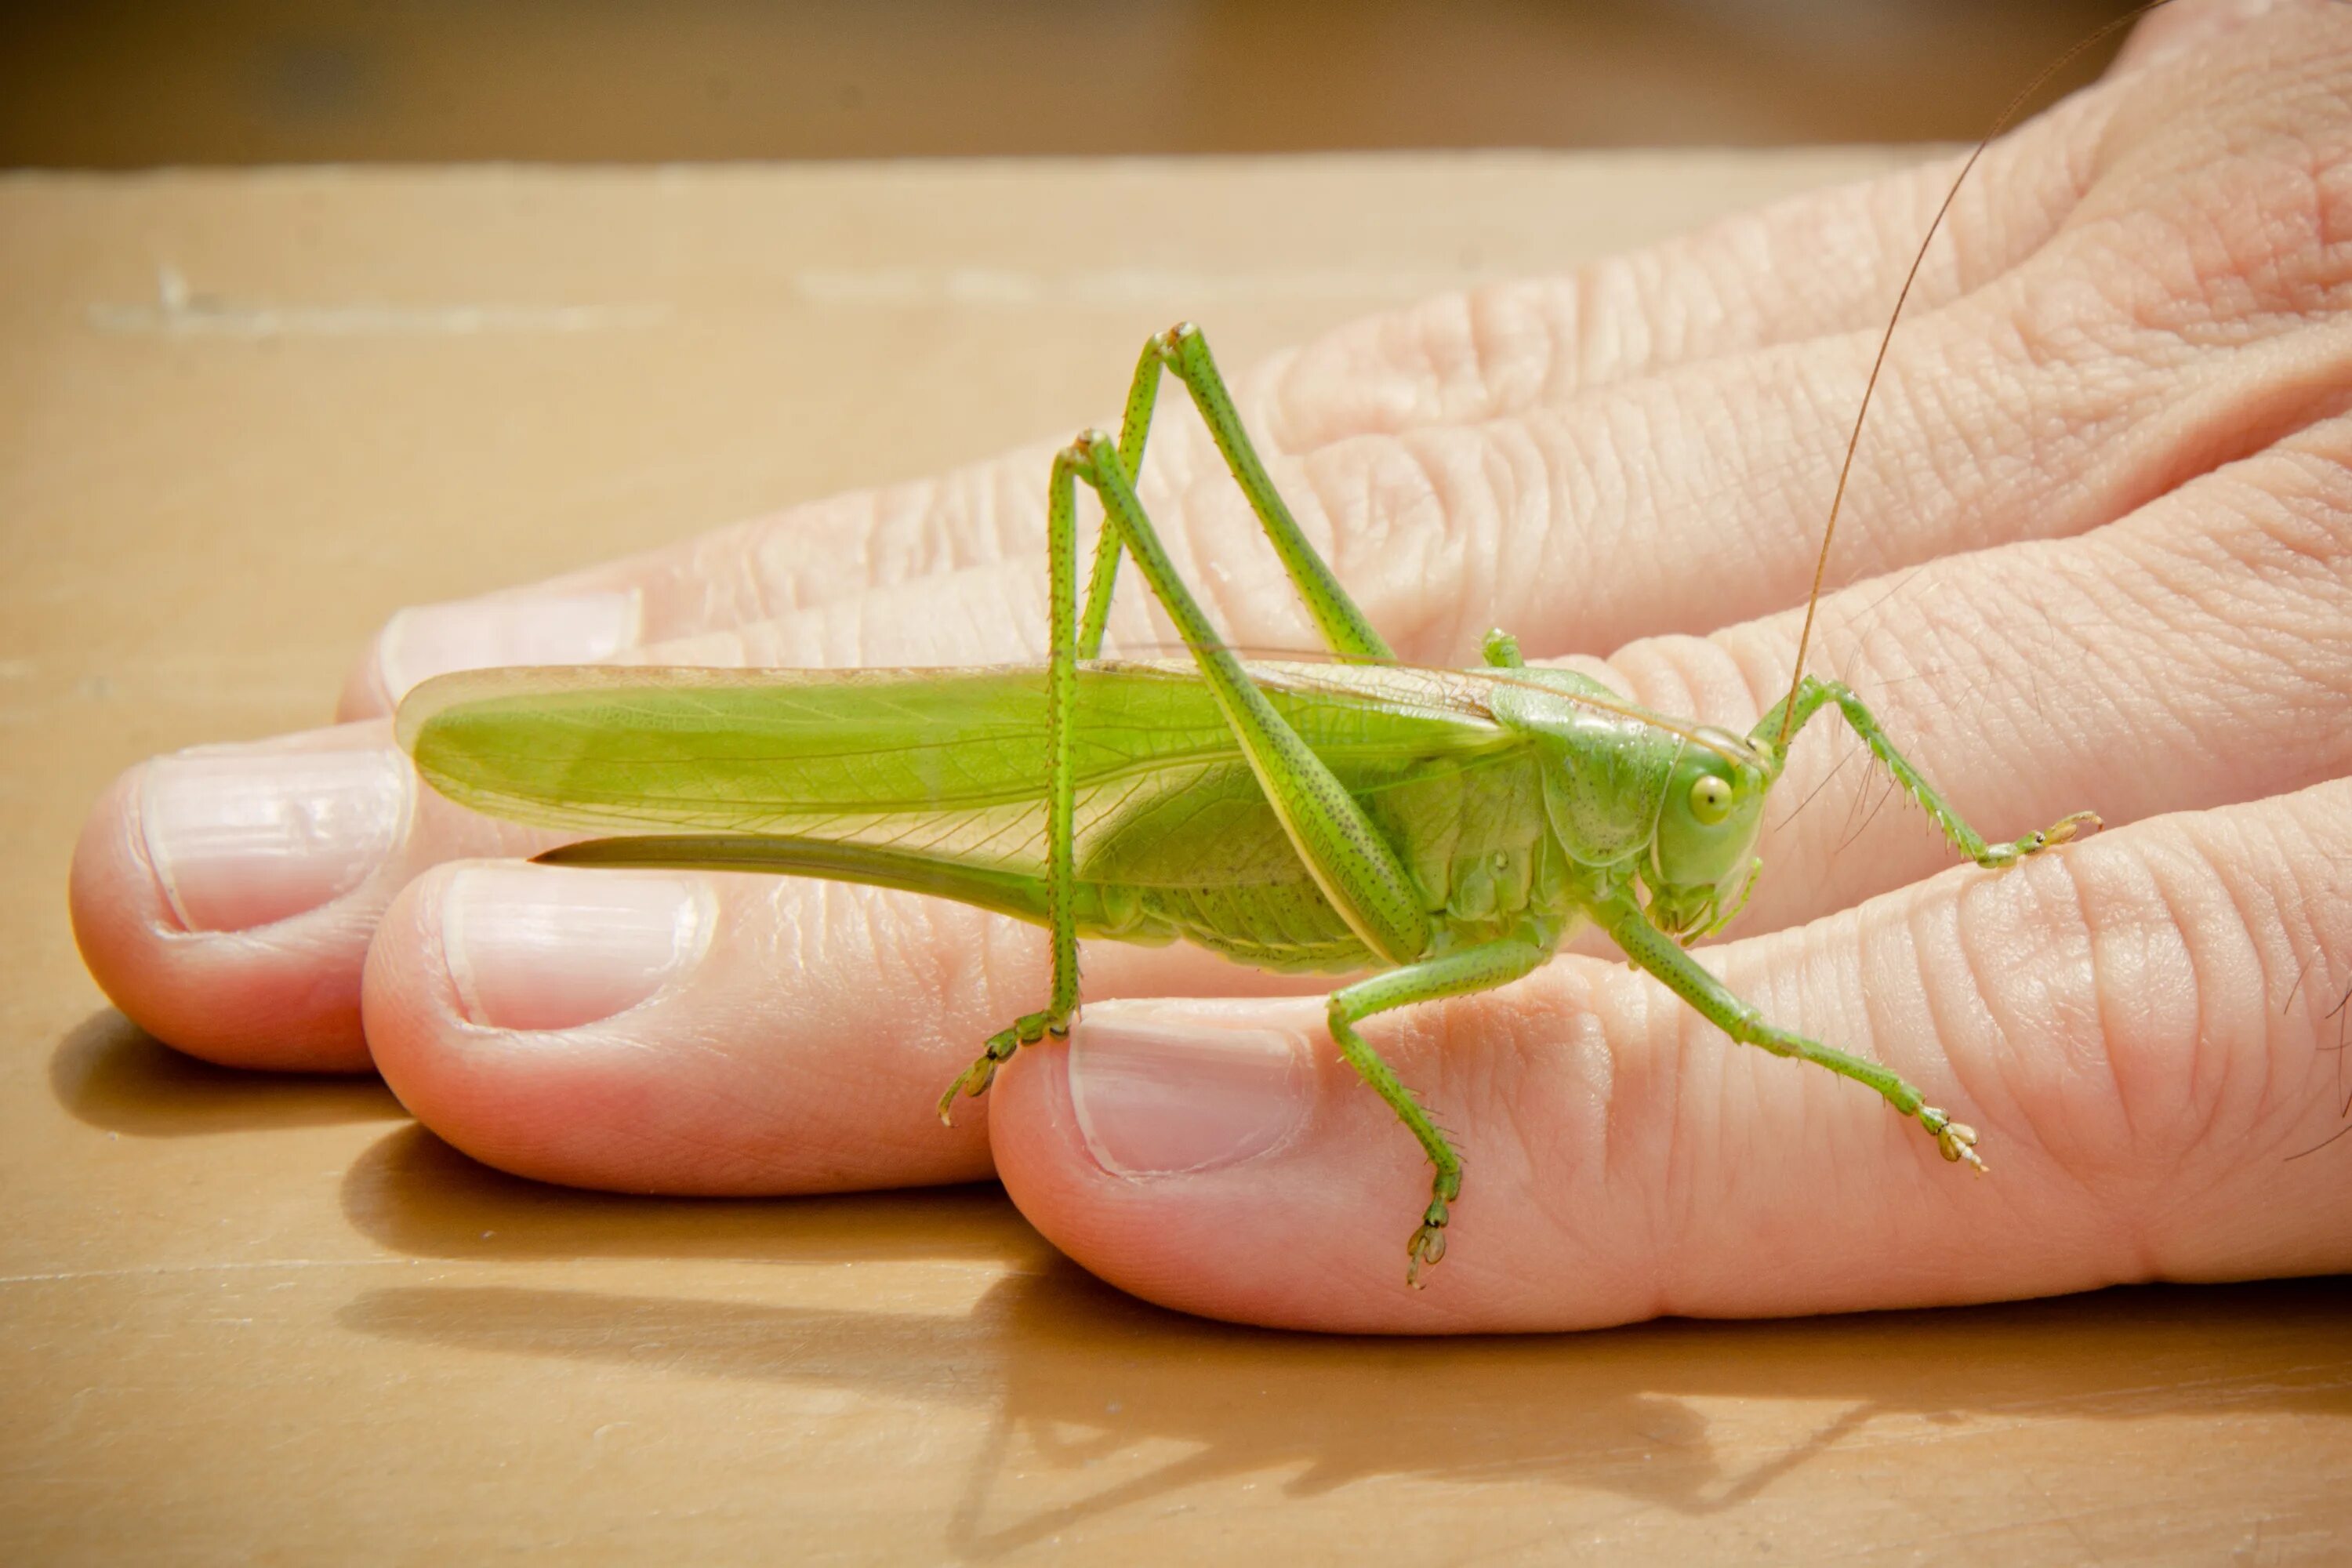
2110,1020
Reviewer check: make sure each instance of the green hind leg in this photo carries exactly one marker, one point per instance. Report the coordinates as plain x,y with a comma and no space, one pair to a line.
1642,942
1813,694
1183,353
1480,968
1354,866
1357,868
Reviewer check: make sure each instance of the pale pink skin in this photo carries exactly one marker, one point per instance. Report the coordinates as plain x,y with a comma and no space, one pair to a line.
2101,538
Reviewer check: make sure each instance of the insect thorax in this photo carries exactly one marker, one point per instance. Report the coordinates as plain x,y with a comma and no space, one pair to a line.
1605,769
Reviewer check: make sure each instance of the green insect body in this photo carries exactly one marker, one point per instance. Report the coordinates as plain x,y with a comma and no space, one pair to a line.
1444,829
928,780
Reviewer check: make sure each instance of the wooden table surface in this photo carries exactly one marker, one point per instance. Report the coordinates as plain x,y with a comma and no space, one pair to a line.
244,415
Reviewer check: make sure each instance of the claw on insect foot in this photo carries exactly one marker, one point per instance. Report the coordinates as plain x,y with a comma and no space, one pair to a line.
2077,826
1427,1247
1956,1140
973,1081
2060,832
1428,1243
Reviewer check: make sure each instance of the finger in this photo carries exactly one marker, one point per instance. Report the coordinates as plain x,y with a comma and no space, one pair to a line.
1821,263
2131,352
691,1033
2193,654
2123,1025
2189,655
224,897
1585,527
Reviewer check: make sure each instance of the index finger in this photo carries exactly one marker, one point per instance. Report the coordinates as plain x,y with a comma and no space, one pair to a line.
1822,263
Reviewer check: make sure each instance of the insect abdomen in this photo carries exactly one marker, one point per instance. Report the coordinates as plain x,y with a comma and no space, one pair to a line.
1280,927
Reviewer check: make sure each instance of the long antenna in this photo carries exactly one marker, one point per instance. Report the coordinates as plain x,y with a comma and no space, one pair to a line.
1846,469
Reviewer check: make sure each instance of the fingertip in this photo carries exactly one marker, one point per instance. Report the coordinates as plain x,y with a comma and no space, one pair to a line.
282,995
632,1030
1136,1233
1202,1155
498,996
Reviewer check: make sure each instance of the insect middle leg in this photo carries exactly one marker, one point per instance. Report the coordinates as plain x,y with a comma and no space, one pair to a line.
1480,968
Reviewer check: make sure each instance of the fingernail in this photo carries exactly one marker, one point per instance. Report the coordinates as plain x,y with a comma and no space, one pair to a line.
1161,1089
427,640
539,947
241,838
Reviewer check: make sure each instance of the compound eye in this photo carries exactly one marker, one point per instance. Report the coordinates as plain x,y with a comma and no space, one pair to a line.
1710,799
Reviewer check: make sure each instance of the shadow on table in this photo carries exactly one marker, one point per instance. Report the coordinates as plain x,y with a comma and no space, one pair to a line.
415,1194
1074,1372
110,1073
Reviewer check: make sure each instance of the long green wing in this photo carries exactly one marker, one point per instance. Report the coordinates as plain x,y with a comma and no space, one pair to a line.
941,766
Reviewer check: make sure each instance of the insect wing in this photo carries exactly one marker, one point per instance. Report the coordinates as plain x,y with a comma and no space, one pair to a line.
949,764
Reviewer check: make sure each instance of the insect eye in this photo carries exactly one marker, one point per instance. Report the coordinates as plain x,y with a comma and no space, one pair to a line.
1710,799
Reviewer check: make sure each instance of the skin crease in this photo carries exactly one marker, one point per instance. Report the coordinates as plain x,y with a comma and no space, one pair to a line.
2100,545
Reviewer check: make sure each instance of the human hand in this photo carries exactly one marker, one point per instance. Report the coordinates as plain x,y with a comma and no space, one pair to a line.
2102,517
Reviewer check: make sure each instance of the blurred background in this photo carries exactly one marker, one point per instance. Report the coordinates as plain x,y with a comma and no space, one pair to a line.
133,83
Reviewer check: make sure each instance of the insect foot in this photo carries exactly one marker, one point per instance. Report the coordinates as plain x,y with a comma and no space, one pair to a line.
1428,1243
974,1079
2050,838
1956,1140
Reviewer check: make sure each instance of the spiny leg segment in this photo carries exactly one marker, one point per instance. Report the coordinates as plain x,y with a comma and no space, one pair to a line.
1480,968
1183,353
1060,795
1355,868
1812,694
1626,923
1621,916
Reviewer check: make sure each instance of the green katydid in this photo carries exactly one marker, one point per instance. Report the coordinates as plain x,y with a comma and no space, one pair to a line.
1445,829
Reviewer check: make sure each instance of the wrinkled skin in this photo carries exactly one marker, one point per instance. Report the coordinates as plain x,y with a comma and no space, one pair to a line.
2101,541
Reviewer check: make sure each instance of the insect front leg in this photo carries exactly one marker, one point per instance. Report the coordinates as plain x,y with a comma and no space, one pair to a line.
1480,968
1813,694
1621,916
